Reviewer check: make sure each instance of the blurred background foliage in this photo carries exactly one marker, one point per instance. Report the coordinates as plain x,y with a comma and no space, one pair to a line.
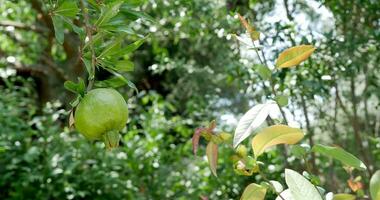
189,71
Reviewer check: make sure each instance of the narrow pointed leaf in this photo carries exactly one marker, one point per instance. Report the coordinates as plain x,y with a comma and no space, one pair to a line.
273,135
374,185
212,156
254,192
108,12
341,155
294,56
59,29
255,35
250,121
195,139
300,187
124,66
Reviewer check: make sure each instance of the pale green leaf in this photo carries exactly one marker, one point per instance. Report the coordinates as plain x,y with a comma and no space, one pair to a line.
300,187
374,185
344,197
341,155
254,192
264,72
282,100
250,121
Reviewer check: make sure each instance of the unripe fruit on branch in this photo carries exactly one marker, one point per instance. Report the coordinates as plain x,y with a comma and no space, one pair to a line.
101,114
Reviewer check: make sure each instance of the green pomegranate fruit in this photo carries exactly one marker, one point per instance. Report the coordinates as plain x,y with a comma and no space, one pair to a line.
101,114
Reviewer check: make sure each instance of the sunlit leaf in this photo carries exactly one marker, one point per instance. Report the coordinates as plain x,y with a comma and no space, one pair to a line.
244,41
285,195
251,120
276,186
294,56
344,197
212,156
341,155
374,185
273,135
254,192
300,187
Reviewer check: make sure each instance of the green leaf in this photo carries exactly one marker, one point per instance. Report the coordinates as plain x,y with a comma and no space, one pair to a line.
300,151
112,48
96,39
80,31
341,155
282,100
251,120
300,187
254,192
212,156
374,185
131,47
58,28
264,72
87,63
124,66
76,101
108,12
294,56
68,9
273,135
113,82
344,197
71,86
133,14
78,88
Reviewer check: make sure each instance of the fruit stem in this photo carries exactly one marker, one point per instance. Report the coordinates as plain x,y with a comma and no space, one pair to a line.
111,139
